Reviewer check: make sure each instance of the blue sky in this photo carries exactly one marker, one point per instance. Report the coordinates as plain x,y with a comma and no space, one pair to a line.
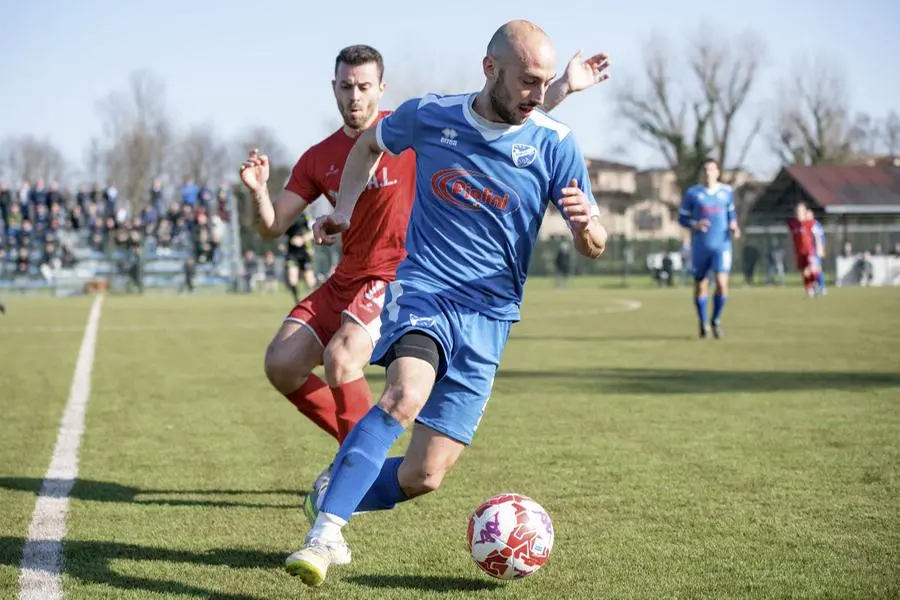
236,64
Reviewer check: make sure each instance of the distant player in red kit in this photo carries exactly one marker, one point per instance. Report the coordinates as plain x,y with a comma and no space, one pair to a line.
338,324
804,247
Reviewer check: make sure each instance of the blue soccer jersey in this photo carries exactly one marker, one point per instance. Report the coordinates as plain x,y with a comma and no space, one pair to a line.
482,190
716,206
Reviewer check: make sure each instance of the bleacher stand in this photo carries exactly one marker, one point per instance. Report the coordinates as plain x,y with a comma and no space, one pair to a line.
52,239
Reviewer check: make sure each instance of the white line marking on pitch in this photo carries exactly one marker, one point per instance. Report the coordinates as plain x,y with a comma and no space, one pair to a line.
42,558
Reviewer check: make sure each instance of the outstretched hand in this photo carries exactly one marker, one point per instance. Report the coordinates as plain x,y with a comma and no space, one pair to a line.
255,171
583,73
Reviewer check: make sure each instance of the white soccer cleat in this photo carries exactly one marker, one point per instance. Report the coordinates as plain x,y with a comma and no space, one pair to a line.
311,562
313,501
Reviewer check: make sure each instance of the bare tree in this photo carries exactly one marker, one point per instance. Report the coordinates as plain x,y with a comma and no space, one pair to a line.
203,155
688,121
137,135
814,124
891,134
864,135
29,158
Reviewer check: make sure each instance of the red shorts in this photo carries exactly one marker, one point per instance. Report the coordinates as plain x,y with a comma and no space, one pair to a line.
323,310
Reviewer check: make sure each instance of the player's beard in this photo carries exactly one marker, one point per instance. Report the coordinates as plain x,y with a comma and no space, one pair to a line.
359,119
501,101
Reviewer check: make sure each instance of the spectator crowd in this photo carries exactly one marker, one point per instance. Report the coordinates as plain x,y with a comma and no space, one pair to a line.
44,227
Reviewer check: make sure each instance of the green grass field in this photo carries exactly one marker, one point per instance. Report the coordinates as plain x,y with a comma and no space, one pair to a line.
766,465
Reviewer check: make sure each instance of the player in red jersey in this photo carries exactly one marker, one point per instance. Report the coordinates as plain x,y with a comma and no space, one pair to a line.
337,325
801,229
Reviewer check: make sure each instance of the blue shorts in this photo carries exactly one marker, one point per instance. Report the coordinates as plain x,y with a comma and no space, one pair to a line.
471,345
704,261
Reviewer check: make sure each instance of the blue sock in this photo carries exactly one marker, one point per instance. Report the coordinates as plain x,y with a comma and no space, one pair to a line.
386,492
359,462
821,280
718,305
701,308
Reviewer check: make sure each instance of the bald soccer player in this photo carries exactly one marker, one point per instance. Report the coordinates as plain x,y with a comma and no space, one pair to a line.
487,165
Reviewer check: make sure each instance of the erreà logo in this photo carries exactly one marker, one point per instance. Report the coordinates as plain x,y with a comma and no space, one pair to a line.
474,191
449,136
523,155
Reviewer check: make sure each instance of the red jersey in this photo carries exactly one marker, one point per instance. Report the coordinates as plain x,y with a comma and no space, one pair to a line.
376,241
802,235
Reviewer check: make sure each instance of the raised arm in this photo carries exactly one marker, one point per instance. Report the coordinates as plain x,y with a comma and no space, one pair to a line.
580,74
272,219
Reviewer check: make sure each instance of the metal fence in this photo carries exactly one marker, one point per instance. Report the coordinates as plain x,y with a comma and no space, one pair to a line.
755,256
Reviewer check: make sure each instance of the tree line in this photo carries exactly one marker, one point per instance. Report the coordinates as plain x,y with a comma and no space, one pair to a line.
686,104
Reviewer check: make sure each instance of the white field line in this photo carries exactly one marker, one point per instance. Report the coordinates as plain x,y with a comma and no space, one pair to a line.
42,558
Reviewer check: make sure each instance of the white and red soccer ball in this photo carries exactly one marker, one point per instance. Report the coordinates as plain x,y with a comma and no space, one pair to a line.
510,536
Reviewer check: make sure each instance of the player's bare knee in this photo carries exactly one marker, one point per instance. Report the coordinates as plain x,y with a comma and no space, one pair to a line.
282,369
275,366
402,402
342,364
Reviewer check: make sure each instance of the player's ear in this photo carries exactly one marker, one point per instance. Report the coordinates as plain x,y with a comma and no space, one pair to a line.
490,67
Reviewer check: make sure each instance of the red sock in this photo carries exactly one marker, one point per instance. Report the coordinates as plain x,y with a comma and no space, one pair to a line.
809,280
314,399
353,400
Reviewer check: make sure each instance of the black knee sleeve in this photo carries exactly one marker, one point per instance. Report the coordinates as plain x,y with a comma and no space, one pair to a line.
415,344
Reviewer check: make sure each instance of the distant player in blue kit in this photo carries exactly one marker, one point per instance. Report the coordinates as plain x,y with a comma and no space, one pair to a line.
708,211
487,165
818,234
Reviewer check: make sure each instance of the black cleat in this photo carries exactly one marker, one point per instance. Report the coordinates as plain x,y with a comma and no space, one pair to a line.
704,331
717,331
2,309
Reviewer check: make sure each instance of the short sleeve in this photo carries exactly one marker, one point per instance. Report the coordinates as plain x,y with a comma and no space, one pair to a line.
730,210
568,165
397,131
301,181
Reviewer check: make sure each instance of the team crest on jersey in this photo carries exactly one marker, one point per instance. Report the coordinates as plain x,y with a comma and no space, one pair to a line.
523,155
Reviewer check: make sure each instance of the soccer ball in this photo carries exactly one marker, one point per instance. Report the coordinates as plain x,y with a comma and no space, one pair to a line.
510,536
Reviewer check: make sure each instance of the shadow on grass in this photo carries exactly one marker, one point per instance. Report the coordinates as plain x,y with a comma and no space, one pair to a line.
425,583
89,562
667,337
108,491
694,381
685,381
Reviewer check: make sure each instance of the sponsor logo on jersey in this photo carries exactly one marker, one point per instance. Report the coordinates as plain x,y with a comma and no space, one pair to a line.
474,191
380,179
